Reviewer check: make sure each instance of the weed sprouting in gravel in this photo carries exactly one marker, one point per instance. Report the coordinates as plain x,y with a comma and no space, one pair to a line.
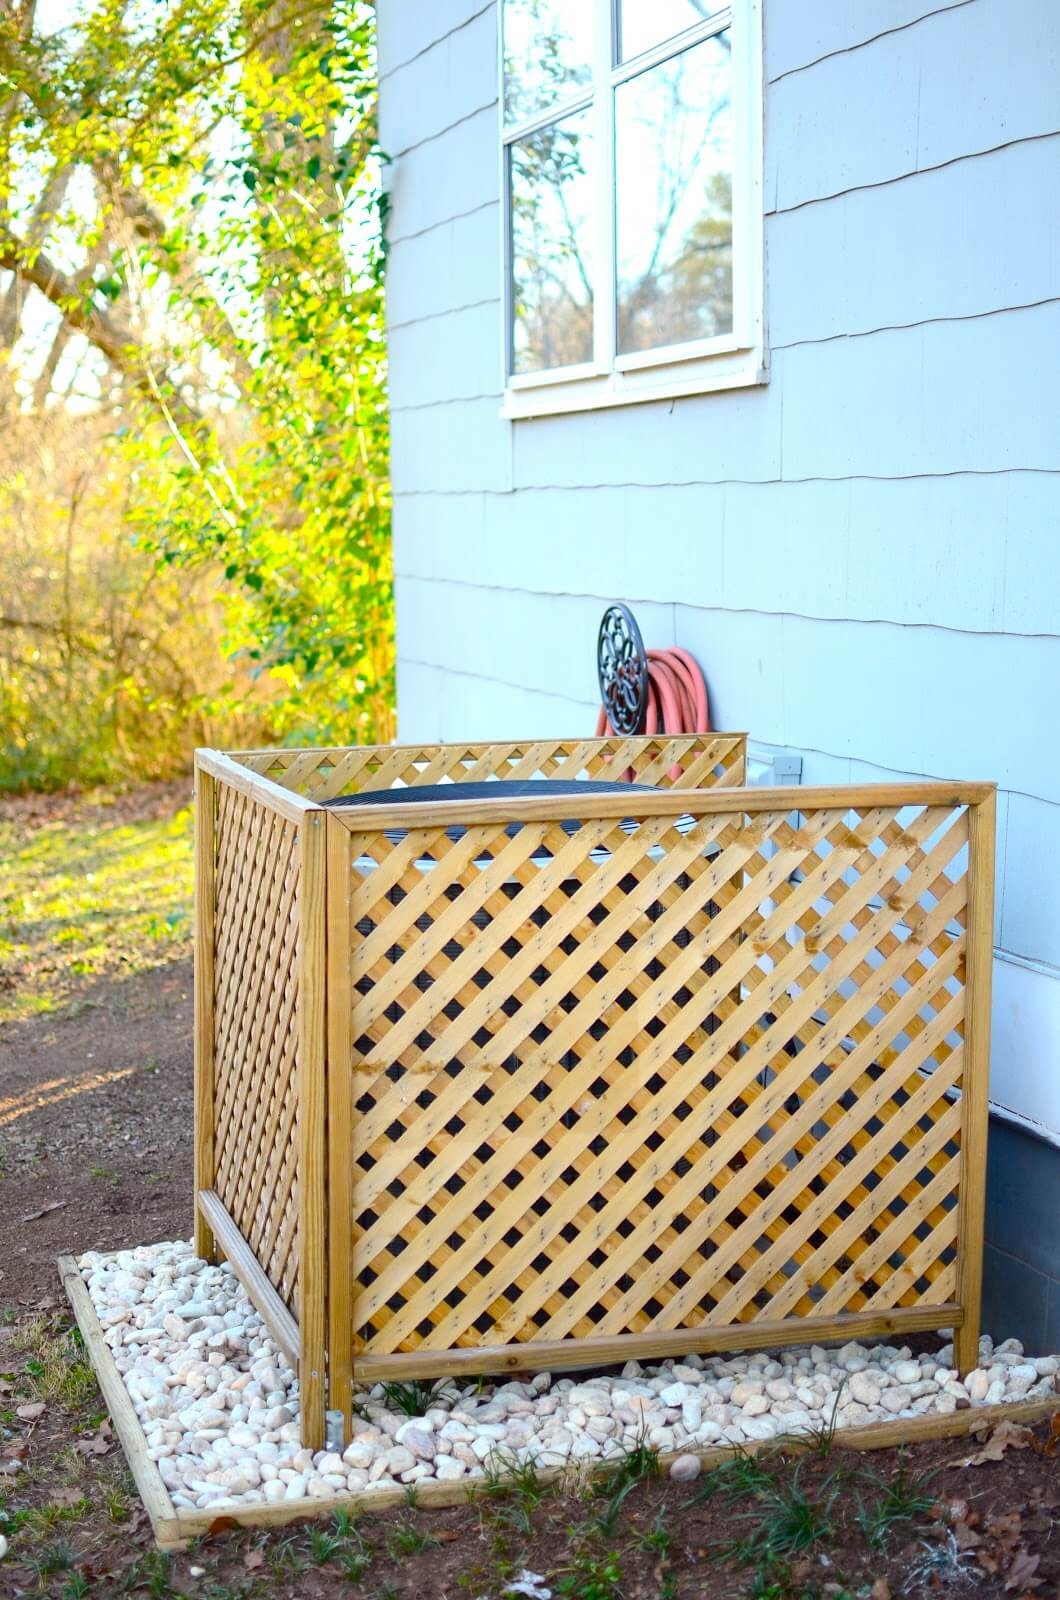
417,1396
640,1461
820,1438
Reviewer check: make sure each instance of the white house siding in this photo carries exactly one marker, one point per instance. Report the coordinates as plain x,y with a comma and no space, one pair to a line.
864,553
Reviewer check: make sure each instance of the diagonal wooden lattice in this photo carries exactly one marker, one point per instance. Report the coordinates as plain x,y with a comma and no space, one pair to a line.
255,1030
693,761
627,1077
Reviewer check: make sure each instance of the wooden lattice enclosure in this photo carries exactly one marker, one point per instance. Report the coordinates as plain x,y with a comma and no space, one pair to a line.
558,1080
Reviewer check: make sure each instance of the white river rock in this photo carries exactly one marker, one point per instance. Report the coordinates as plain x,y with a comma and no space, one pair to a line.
219,1404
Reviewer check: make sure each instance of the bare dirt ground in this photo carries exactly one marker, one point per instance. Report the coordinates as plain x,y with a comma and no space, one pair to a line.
95,1125
95,1152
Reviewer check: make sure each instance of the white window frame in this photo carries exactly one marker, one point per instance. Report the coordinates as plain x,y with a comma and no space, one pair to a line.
728,361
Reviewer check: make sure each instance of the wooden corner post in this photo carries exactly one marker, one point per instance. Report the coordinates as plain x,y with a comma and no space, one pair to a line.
312,1122
975,1085
340,1113
205,884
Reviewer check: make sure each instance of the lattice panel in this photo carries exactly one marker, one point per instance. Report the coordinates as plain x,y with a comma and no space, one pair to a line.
255,999
695,761
617,1078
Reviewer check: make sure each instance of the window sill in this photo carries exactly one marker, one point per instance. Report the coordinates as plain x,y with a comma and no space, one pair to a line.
673,380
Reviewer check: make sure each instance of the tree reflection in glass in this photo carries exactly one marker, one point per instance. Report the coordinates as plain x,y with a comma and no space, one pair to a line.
646,23
673,136
551,211
547,54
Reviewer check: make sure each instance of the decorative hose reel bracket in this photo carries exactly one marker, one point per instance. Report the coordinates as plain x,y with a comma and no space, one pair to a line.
622,669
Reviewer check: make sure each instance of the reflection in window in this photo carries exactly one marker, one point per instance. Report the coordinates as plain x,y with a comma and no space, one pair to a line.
673,160
645,23
547,54
551,199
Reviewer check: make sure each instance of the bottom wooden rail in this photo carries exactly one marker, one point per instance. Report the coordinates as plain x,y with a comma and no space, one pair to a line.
260,1292
174,1528
544,1355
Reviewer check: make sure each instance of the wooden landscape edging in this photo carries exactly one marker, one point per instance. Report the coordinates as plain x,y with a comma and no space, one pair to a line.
148,1479
174,1528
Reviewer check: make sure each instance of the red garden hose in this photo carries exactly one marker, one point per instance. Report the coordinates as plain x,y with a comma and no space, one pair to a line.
677,696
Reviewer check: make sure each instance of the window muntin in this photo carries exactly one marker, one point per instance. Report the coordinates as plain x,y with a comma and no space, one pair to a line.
664,258
552,259
673,223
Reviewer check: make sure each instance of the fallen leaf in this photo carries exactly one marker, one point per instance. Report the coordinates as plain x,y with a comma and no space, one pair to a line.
1022,1572
98,1444
881,1590
1052,1444
1006,1436
253,1560
446,1536
966,1537
30,1413
1006,1530
221,1525
34,1216
66,1497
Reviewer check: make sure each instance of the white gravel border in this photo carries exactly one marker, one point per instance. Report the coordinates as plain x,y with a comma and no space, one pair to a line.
219,1405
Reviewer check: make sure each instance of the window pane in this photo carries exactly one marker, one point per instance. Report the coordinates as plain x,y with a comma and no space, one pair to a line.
551,206
548,49
673,157
646,23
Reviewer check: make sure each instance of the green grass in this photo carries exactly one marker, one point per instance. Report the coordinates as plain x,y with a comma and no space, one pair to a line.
657,1538
89,898
53,1558
740,1475
407,1541
415,1398
593,1577
56,1368
902,1498
323,1546
788,1522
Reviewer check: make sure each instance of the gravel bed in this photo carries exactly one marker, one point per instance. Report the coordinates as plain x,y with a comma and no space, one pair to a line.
219,1405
